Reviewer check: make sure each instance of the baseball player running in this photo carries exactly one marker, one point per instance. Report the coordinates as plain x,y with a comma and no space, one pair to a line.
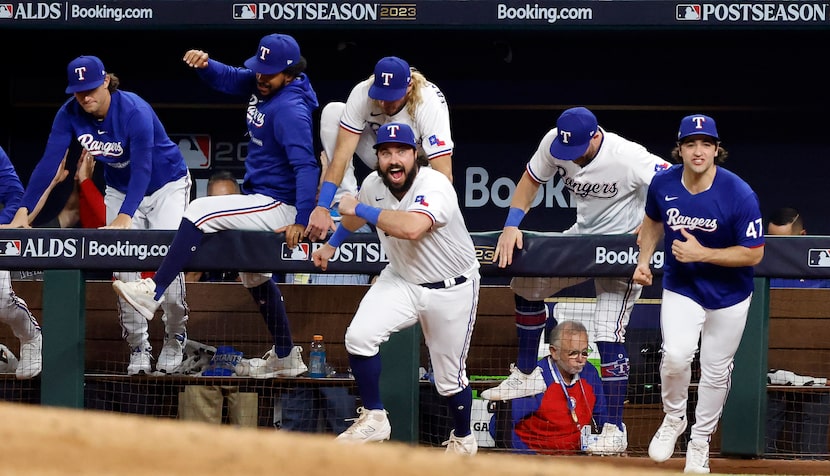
432,279
278,188
147,186
394,93
607,176
710,222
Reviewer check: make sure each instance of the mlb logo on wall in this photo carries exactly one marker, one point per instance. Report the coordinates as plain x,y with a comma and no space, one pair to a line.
195,148
6,10
301,252
10,247
819,258
688,11
244,11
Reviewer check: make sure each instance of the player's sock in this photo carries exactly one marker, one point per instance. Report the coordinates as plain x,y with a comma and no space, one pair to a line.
272,307
366,371
460,406
530,324
187,240
615,368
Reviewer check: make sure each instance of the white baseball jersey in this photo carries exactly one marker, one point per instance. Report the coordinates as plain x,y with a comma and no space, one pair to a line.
447,250
431,123
610,191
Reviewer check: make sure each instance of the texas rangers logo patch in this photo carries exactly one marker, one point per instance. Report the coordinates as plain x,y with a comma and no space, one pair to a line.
422,200
435,141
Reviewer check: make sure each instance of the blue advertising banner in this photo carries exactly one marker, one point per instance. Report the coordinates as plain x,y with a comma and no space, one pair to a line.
544,254
414,14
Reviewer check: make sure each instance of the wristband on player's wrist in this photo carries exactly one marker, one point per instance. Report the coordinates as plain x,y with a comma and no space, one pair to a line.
368,213
327,191
514,217
339,236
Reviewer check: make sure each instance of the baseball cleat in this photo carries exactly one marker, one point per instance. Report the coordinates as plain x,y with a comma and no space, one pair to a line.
517,385
464,446
662,444
140,295
371,425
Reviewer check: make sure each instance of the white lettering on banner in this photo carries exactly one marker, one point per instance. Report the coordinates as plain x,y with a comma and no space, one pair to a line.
350,252
34,11
478,192
550,14
126,249
765,12
50,248
317,11
603,255
103,12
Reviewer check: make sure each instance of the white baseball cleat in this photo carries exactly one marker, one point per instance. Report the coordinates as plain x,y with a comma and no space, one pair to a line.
697,457
662,444
140,295
517,385
371,425
291,365
464,446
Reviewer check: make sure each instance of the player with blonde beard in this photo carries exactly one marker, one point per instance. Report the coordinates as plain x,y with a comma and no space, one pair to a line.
397,93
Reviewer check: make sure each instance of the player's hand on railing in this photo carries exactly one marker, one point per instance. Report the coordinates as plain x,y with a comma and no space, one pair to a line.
510,238
196,59
319,224
20,220
322,255
121,222
293,234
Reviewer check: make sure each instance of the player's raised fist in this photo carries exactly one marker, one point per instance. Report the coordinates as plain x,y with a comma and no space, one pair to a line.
196,59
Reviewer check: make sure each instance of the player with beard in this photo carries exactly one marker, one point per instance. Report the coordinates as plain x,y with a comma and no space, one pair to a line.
432,279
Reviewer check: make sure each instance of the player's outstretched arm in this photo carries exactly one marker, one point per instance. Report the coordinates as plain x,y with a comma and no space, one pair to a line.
649,234
443,164
320,221
511,236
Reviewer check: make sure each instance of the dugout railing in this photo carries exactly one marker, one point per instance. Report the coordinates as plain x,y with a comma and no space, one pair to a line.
64,253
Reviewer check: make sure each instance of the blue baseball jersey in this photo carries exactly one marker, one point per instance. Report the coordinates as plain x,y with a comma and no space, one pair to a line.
139,156
727,214
281,162
11,189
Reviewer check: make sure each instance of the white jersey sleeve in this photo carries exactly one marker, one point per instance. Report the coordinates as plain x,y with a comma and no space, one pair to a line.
542,166
432,118
358,108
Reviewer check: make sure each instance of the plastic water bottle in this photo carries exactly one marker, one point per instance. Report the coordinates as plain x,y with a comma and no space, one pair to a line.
317,359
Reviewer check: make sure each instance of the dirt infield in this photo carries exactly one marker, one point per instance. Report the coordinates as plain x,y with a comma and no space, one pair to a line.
57,441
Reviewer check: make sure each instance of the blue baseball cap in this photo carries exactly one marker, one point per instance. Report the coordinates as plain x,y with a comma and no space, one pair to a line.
275,53
84,74
392,76
697,124
575,129
396,133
